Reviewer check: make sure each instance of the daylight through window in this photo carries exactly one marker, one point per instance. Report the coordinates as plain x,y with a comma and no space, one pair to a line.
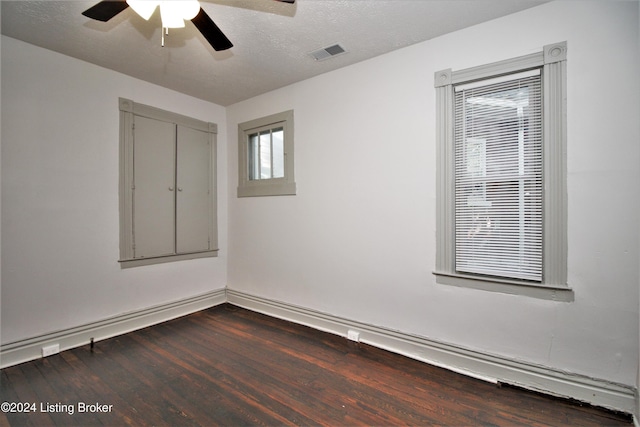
266,154
498,178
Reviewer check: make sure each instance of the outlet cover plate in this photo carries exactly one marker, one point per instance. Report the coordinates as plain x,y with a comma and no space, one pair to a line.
50,349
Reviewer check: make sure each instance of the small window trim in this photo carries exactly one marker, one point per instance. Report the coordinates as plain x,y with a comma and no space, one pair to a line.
274,186
552,61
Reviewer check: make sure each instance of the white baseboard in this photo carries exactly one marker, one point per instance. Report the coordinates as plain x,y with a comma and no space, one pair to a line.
496,369
31,348
476,364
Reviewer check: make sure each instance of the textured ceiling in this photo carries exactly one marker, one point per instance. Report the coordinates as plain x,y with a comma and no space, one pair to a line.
272,40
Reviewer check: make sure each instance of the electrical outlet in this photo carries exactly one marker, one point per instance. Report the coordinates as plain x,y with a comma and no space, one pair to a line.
353,335
50,349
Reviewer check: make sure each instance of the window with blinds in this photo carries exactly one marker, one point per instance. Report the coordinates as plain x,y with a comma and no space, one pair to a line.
498,196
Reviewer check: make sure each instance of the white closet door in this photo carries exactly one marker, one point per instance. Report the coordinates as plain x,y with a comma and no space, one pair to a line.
154,187
193,214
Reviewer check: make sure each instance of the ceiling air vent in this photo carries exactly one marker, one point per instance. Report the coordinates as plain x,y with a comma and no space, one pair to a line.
328,52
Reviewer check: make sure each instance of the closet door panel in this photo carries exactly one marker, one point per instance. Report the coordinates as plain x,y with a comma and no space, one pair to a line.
193,214
154,187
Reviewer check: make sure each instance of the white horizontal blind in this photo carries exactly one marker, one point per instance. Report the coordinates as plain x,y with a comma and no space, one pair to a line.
498,178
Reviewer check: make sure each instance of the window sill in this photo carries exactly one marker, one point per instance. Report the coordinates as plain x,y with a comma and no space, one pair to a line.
553,293
267,188
139,262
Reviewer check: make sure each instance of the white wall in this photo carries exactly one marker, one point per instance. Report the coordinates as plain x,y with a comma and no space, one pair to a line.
60,212
358,241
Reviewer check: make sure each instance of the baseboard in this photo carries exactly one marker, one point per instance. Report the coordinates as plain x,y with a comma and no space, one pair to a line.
31,348
496,369
492,368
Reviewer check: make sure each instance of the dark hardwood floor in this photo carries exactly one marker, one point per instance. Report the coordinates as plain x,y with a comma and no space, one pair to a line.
232,367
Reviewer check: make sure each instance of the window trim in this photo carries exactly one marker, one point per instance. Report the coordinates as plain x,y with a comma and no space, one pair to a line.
273,186
128,109
552,61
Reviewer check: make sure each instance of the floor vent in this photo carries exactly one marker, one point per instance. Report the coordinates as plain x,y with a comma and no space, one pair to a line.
328,52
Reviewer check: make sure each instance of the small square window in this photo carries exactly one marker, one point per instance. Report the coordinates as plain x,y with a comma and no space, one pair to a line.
265,150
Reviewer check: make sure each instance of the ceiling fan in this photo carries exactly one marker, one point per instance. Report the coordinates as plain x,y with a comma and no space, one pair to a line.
173,15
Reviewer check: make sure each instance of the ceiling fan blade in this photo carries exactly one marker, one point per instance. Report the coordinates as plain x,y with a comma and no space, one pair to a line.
211,32
106,10
287,1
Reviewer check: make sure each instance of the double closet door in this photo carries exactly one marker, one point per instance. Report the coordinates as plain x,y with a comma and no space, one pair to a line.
168,206
171,189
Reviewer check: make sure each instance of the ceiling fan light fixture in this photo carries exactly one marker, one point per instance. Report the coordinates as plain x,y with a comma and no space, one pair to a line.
144,8
170,14
189,9
174,13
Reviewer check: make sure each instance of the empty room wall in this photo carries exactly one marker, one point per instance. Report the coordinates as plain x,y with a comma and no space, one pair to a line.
60,232
358,240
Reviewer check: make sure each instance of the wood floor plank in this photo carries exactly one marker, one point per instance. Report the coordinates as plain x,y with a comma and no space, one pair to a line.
352,384
233,367
25,393
239,378
134,403
188,401
228,391
254,365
